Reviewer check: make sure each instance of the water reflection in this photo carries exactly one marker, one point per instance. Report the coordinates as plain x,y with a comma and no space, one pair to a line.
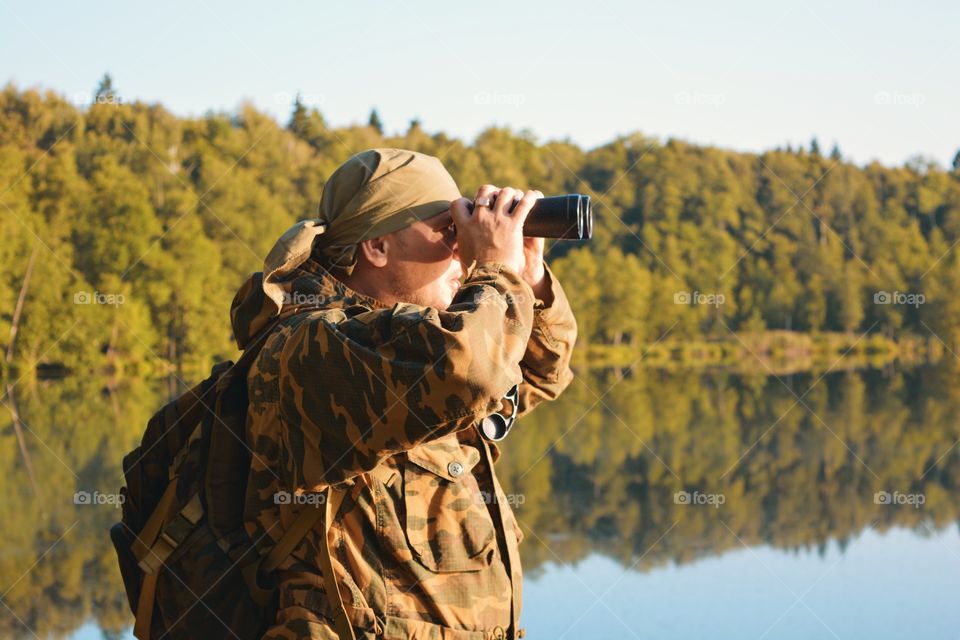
790,462
893,585
646,470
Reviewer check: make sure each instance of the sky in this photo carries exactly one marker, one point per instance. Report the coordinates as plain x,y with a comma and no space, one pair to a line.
880,79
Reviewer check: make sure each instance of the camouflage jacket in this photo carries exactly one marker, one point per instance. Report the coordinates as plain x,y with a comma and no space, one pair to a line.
385,402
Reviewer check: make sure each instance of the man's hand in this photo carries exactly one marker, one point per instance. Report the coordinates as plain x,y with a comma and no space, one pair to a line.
534,272
492,233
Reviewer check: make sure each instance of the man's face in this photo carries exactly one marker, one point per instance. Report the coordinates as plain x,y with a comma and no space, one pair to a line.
426,268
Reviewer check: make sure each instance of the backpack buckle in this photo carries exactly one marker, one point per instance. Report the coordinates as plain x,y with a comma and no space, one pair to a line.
172,535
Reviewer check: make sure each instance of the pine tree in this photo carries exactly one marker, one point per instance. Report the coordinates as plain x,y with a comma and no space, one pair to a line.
814,146
105,93
375,121
299,117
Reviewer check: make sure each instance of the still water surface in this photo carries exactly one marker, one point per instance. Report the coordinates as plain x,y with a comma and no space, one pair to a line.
684,504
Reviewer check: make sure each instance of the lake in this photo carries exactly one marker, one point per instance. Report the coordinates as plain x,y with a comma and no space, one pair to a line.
654,503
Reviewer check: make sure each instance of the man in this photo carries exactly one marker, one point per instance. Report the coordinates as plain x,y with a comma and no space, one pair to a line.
405,318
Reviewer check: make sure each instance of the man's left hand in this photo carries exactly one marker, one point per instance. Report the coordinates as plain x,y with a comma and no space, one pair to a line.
534,273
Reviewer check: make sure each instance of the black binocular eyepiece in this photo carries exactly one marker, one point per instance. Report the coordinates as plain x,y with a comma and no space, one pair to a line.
566,217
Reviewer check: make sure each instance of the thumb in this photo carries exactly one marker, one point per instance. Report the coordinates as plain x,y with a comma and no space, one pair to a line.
531,243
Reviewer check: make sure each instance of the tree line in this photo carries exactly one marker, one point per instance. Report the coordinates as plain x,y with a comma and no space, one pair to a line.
127,229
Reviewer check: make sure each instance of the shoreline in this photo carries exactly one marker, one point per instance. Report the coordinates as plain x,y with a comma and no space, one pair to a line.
771,352
767,352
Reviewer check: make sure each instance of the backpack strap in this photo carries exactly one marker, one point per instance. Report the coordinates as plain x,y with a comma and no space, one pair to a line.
151,549
148,535
291,538
144,615
340,621
304,522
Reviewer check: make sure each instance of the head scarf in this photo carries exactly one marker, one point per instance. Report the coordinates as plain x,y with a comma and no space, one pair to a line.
374,193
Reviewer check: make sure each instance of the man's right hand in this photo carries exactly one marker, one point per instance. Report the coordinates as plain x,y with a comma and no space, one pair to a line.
493,234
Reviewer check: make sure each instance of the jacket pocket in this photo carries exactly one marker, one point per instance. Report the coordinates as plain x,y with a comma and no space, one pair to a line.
447,524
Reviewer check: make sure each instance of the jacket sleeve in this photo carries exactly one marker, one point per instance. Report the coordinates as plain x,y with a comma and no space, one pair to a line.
546,362
360,385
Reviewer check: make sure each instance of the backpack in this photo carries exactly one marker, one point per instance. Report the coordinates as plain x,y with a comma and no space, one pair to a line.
188,567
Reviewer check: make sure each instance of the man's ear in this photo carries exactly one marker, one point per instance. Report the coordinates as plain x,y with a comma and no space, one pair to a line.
375,250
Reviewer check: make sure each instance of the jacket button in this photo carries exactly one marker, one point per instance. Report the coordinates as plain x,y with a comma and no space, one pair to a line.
455,469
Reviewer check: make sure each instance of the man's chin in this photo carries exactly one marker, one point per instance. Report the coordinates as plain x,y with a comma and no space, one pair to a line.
440,300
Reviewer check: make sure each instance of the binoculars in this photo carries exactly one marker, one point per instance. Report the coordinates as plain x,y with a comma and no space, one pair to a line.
496,426
567,217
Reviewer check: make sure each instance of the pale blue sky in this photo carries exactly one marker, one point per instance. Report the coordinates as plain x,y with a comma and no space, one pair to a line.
881,79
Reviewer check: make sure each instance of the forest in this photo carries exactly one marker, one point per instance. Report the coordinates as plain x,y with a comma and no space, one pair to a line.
127,229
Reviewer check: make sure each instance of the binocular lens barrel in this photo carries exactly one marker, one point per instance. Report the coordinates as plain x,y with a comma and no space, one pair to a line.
567,217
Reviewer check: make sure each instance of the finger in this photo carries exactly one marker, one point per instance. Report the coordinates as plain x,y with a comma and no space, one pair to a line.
526,203
487,191
460,211
505,200
516,199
